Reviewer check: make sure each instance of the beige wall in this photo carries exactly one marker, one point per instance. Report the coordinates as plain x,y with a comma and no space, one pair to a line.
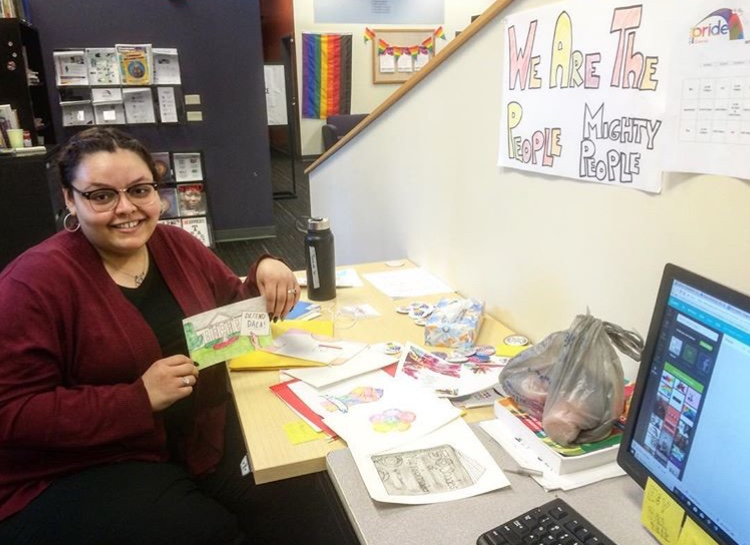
365,94
537,249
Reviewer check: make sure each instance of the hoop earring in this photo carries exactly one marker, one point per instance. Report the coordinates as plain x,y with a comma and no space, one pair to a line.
66,223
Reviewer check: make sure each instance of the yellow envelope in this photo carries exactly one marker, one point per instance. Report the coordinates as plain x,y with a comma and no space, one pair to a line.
263,361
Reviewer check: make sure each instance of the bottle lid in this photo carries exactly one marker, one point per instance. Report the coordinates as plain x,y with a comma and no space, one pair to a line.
318,224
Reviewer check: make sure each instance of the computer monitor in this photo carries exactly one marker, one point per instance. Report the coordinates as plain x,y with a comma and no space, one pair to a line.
687,427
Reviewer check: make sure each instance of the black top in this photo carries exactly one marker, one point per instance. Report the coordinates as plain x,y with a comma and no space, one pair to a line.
159,308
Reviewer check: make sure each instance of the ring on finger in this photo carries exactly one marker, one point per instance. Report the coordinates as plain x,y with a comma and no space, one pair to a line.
186,380
292,291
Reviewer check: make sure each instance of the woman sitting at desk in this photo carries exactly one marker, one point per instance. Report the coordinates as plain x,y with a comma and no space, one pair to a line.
108,434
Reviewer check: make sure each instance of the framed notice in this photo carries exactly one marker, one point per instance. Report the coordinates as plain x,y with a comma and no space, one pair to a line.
399,53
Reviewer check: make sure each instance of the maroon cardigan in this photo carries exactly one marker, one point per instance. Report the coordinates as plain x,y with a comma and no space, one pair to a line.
72,351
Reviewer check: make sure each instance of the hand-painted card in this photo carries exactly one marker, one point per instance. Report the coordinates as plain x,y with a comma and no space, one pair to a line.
228,332
374,412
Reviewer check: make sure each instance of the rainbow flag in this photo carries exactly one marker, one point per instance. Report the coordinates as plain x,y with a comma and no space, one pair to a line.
369,34
440,33
326,75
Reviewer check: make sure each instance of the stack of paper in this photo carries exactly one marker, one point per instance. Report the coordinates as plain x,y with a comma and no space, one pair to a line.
523,437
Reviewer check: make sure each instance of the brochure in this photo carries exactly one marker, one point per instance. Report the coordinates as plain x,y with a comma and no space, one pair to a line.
102,66
135,63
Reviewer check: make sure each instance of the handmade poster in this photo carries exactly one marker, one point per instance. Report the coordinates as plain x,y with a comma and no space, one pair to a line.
375,412
102,66
227,332
448,464
708,127
606,63
135,63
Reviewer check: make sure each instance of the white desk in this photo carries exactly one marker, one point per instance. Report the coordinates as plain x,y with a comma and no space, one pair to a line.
613,506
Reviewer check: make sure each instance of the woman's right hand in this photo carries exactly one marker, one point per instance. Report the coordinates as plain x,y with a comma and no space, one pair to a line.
169,380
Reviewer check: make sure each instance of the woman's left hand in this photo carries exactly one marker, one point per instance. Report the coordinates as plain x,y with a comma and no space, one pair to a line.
278,285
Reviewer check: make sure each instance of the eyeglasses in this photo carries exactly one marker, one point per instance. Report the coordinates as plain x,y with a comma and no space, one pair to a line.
104,200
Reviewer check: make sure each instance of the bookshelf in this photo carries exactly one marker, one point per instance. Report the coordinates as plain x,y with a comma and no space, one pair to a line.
22,79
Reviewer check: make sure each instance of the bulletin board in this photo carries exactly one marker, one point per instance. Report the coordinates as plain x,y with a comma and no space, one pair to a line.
405,37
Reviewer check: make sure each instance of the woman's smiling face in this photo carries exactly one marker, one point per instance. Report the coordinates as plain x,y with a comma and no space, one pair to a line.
126,228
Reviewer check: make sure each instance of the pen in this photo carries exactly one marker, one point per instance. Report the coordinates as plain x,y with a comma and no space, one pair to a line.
329,346
525,471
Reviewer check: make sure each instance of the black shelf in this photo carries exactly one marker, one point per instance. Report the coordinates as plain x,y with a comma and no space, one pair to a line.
19,46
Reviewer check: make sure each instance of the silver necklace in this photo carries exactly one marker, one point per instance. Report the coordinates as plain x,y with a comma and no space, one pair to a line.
137,278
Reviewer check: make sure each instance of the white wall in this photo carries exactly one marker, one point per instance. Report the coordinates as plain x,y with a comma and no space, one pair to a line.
366,95
537,249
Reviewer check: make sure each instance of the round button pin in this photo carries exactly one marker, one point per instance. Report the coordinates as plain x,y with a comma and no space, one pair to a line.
485,350
516,340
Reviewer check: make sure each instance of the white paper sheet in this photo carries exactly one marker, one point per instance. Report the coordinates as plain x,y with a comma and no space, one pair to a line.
408,283
374,412
448,464
368,360
386,63
550,480
139,105
166,66
708,114
345,278
298,343
167,105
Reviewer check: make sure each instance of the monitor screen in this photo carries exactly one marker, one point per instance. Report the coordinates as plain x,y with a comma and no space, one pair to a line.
686,427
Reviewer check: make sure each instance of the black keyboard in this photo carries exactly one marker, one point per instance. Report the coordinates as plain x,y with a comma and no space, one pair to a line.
553,523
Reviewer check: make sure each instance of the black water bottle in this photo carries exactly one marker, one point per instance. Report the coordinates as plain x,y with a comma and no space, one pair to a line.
321,260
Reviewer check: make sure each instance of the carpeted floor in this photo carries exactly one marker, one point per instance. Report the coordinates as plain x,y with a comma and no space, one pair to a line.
290,218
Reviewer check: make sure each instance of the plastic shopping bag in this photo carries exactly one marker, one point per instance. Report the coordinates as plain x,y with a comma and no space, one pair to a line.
573,381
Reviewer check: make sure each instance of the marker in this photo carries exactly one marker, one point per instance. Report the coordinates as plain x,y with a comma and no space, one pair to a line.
330,346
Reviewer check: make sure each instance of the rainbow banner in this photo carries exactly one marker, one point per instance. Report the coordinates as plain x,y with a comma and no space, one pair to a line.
326,75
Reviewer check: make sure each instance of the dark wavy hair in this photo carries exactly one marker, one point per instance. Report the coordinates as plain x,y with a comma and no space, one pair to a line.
92,141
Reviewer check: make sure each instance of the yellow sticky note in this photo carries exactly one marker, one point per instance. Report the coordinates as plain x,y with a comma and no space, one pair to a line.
661,515
508,351
299,432
692,534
